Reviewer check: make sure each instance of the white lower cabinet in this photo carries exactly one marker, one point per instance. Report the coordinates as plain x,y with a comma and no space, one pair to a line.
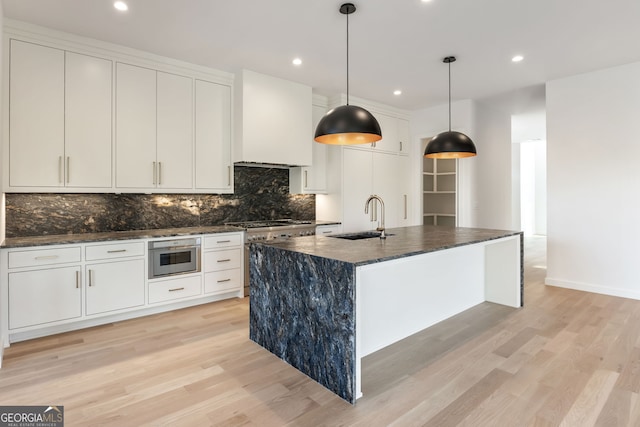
57,288
173,289
329,229
114,285
38,297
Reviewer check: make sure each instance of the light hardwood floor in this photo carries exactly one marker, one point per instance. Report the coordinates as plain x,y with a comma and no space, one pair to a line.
567,358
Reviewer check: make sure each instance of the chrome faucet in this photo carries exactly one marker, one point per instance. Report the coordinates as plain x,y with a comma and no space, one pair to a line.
366,211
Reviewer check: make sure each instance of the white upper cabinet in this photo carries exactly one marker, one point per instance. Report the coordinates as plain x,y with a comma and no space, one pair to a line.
214,168
389,127
101,118
60,118
312,179
36,116
174,131
273,118
154,122
404,136
135,127
87,121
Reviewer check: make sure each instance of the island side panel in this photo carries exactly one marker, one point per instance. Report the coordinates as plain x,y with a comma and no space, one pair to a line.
302,309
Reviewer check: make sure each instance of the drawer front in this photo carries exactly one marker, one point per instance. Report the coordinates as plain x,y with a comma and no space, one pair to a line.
327,230
221,260
215,241
37,257
223,281
175,289
114,250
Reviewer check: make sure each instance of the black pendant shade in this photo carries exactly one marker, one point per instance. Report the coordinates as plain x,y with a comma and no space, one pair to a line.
450,144
348,124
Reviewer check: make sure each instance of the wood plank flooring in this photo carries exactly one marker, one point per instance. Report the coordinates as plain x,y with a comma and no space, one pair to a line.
567,358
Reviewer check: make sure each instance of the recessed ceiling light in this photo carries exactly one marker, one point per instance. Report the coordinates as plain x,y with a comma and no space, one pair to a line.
120,5
297,61
517,58
397,92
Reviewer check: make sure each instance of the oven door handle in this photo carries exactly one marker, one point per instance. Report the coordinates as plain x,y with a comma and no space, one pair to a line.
174,248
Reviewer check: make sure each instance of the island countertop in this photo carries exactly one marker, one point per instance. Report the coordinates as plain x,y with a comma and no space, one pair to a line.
401,242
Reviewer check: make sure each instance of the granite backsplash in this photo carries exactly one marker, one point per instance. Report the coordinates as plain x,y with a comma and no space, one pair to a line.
260,193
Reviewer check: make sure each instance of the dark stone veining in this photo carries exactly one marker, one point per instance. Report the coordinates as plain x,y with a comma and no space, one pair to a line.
302,310
303,294
260,193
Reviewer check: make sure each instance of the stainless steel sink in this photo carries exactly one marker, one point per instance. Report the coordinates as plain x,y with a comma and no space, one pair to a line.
359,236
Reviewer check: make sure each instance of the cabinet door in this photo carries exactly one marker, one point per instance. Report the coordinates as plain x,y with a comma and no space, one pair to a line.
214,169
114,286
36,115
174,132
402,197
43,296
315,180
135,127
389,127
87,121
404,136
357,188
385,184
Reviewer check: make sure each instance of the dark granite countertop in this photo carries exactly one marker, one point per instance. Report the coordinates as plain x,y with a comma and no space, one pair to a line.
61,239
405,242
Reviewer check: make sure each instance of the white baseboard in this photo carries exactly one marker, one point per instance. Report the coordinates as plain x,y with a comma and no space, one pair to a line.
597,289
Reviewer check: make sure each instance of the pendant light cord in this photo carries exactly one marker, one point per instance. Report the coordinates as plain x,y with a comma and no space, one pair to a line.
347,59
449,96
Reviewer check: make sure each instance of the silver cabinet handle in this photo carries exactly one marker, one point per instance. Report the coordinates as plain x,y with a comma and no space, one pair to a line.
405,206
223,241
401,146
224,280
68,173
229,176
176,289
224,260
327,232
306,179
115,251
77,279
154,173
90,277
159,173
44,257
60,169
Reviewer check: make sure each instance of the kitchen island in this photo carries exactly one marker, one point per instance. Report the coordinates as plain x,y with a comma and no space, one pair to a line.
323,303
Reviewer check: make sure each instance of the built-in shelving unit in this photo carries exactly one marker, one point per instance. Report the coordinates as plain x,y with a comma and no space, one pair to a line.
439,191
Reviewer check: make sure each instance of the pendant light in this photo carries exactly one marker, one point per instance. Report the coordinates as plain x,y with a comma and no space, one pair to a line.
450,144
348,124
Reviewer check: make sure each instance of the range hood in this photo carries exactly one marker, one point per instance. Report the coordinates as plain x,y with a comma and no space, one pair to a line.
273,124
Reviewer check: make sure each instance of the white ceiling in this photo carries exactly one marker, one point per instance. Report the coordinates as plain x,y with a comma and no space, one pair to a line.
395,44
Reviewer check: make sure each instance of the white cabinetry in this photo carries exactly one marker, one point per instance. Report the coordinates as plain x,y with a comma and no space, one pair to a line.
154,144
52,289
118,281
273,119
42,286
395,134
327,230
87,122
312,179
223,263
213,164
59,118
174,132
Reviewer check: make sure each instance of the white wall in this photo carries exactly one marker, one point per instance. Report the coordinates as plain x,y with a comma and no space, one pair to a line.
493,175
593,150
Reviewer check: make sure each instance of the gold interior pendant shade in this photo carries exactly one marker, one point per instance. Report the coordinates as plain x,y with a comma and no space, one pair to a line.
348,124
450,144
